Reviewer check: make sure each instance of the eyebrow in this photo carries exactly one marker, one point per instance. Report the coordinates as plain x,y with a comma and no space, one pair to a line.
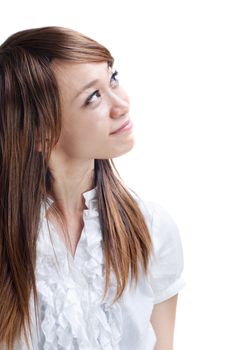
85,87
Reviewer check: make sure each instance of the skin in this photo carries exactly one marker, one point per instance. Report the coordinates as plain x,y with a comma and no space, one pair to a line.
87,135
86,132
163,321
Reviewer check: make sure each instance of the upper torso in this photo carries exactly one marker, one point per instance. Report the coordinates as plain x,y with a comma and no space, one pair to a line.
70,288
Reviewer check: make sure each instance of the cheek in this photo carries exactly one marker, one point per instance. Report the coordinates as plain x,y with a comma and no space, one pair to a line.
96,122
85,133
90,122
88,133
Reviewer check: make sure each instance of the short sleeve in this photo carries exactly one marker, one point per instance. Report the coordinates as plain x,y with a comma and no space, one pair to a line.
167,263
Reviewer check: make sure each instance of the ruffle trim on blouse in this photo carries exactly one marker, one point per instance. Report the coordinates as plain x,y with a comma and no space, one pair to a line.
72,316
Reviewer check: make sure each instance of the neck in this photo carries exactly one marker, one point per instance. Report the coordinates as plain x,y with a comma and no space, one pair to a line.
71,180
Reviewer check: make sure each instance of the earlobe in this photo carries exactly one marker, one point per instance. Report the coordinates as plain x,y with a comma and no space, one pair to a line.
38,145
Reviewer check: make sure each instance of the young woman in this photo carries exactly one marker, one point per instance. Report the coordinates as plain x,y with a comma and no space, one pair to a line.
85,263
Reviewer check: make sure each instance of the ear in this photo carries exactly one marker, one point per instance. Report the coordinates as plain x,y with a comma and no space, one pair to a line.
38,145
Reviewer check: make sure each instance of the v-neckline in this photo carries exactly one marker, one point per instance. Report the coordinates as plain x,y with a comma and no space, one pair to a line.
88,196
62,243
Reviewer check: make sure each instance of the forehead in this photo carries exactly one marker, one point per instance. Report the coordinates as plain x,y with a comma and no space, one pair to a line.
78,74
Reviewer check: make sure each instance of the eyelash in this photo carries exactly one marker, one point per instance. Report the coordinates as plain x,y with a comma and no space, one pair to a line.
113,77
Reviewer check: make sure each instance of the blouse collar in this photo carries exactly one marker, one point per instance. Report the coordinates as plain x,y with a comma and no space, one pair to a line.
89,197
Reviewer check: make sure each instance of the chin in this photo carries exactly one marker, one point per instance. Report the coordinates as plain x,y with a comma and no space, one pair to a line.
116,150
123,151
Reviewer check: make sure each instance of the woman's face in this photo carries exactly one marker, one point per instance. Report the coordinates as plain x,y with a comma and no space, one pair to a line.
94,106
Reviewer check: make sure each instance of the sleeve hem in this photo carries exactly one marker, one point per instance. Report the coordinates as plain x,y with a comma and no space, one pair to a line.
170,291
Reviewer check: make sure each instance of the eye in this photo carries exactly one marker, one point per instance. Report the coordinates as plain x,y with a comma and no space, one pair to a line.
94,96
114,81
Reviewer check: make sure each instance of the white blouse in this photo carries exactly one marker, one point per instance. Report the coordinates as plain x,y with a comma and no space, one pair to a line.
72,316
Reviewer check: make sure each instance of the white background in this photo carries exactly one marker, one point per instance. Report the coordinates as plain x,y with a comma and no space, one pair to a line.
175,60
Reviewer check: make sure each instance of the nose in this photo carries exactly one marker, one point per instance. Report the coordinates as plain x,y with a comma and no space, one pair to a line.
119,106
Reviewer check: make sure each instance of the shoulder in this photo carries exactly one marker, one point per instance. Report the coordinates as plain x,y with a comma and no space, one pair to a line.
160,222
167,262
163,228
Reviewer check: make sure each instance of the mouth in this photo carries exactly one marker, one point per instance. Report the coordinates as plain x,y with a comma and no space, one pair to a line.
125,126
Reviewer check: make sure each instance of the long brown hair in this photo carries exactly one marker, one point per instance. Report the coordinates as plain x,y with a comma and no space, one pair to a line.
30,111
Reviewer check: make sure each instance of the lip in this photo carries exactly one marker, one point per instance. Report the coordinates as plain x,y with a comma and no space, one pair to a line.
121,127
